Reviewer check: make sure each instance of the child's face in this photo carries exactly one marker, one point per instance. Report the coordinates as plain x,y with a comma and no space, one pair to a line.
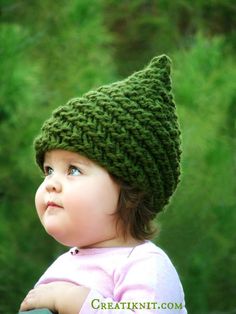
77,200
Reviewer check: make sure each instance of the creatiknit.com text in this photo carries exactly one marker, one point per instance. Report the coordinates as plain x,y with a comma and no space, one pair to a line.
125,305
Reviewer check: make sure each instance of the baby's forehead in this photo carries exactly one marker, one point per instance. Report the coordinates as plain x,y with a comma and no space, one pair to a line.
67,156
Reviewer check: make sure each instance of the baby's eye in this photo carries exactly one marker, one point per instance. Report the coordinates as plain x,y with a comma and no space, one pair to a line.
74,171
48,171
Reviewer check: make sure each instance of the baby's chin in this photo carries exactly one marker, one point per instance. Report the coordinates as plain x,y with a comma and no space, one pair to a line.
54,227
59,232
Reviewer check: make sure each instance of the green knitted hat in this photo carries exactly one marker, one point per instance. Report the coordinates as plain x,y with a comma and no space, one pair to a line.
129,127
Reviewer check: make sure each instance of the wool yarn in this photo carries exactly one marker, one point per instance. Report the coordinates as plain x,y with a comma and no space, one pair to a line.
129,127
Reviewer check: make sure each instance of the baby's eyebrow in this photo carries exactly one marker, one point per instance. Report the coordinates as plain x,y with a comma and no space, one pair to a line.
79,160
74,158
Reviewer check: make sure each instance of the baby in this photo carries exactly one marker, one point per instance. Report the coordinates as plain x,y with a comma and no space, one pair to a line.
111,161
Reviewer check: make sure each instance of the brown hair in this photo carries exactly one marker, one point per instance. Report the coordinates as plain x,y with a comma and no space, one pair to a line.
134,213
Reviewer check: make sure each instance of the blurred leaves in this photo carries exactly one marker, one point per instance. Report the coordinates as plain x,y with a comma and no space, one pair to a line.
202,215
46,58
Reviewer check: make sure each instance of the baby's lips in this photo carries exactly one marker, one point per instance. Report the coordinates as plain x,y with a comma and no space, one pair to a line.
53,204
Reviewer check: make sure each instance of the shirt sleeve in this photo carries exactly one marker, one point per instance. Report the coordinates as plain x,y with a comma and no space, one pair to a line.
143,284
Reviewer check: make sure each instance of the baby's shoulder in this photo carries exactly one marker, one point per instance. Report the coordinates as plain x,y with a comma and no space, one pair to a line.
148,263
148,258
149,250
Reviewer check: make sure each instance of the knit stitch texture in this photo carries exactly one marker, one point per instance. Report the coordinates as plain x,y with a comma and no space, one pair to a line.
129,127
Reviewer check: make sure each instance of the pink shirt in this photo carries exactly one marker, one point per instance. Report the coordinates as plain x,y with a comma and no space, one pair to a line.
140,279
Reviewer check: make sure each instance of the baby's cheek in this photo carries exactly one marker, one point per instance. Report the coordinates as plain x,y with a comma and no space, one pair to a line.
39,201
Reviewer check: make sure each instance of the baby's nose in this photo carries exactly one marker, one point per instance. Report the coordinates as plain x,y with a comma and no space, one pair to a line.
53,184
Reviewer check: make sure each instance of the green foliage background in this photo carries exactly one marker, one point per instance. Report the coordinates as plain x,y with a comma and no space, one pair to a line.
51,51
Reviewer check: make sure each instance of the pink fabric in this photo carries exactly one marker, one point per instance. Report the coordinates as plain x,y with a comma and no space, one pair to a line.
129,276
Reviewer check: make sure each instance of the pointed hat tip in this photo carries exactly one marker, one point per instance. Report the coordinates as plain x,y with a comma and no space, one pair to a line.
162,60
160,63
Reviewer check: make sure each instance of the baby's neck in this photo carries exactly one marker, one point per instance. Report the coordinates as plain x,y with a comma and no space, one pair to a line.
128,242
